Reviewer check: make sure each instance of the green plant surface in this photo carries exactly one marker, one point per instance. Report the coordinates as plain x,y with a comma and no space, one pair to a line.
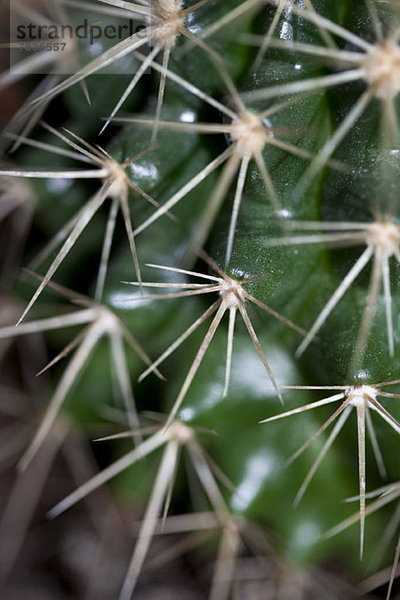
295,241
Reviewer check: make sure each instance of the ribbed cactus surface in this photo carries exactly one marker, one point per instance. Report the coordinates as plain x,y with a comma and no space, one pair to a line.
213,257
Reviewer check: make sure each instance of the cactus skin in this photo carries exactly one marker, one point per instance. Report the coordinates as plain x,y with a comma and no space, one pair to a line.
295,280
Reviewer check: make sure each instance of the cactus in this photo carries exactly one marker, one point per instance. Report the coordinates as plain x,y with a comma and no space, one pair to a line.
251,152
